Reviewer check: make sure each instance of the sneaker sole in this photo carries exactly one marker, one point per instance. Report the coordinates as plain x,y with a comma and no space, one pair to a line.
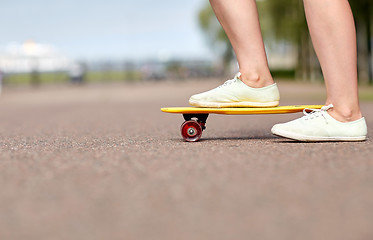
305,138
233,104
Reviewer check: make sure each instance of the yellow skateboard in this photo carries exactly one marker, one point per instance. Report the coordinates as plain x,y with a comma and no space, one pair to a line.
195,118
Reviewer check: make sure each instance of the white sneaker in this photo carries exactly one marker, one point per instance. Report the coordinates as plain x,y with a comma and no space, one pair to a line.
318,125
235,93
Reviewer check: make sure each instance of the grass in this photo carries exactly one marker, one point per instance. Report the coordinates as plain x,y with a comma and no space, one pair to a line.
63,77
366,93
42,78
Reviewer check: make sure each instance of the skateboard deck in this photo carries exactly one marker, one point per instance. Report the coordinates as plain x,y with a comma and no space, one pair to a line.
240,111
195,117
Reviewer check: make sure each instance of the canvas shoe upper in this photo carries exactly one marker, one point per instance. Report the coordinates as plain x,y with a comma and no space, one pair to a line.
235,93
318,125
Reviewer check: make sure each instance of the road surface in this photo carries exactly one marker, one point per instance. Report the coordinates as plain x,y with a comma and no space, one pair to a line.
103,162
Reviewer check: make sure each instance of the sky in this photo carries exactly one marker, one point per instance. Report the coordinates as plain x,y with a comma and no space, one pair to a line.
107,29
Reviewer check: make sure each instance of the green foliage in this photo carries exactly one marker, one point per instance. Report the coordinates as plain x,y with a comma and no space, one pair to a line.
285,19
361,8
363,14
286,22
281,20
215,34
63,77
36,78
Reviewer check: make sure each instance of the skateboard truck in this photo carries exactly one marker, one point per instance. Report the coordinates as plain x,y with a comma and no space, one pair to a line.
191,129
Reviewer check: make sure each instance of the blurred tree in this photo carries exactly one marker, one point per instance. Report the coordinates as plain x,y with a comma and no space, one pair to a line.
281,20
215,34
363,10
284,20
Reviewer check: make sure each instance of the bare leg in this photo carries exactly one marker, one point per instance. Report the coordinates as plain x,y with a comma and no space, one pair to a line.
240,21
333,34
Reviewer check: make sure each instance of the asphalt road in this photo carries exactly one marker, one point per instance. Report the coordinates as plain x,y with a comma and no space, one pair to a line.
102,162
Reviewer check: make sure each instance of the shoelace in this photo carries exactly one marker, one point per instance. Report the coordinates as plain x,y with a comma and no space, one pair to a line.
310,113
229,82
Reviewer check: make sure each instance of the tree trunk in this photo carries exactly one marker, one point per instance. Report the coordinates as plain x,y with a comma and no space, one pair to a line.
362,48
303,67
369,40
314,65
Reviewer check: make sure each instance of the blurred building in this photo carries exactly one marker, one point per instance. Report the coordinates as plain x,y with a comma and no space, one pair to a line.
30,57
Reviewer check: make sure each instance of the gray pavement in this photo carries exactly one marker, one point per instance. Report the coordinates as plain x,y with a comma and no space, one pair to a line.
102,162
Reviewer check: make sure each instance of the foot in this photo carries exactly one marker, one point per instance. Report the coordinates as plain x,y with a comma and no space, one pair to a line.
318,125
235,93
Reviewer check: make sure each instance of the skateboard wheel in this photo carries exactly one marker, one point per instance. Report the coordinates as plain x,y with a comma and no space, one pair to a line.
191,131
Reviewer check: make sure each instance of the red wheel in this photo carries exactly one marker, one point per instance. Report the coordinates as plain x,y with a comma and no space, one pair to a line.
191,131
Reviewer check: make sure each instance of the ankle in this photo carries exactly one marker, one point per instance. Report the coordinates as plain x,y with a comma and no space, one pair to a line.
345,114
256,79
